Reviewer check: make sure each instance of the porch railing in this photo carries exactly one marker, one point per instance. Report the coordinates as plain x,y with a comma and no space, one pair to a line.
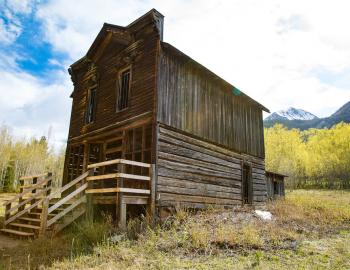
120,175
33,190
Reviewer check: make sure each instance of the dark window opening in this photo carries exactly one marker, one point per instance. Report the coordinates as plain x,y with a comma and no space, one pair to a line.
275,188
91,109
124,87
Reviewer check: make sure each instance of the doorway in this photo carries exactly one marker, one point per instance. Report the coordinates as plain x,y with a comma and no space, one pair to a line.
247,196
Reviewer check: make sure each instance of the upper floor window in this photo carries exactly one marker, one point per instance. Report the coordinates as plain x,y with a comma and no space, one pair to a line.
123,90
91,106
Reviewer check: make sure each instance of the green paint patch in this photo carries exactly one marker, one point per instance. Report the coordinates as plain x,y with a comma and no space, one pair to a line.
236,91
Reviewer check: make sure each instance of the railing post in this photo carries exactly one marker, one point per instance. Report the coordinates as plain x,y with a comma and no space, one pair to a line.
49,183
121,209
34,181
20,199
44,215
7,213
89,205
152,185
45,205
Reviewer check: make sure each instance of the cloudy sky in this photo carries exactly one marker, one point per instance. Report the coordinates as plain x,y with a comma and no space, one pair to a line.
281,53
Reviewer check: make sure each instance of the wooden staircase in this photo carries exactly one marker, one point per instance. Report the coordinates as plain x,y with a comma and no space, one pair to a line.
36,210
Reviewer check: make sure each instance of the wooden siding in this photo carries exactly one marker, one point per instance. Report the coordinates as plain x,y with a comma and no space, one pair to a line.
194,173
195,102
143,83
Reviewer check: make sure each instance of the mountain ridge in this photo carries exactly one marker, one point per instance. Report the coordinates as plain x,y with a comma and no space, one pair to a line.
341,115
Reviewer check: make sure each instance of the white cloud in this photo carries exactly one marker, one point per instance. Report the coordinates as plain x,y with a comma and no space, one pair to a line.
31,107
262,47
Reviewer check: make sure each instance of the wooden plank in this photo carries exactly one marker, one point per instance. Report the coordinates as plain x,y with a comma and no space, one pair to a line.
67,198
102,177
20,233
135,200
101,190
66,210
126,190
118,175
132,176
184,183
192,161
135,163
29,219
196,199
199,192
22,225
166,172
116,161
33,176
196,170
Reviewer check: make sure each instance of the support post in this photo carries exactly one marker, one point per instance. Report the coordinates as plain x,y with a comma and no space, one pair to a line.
151,207
120,208
7,214
45,206
43,217
20,199
89,213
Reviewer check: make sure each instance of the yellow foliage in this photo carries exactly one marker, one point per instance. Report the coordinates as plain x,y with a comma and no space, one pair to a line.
310,157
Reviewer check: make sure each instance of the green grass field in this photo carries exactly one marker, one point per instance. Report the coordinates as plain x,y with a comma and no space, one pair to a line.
310,230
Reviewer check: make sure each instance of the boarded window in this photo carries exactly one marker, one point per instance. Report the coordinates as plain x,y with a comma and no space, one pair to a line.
123,93
91,108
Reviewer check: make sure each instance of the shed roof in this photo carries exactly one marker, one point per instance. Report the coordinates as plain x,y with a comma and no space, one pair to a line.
276,174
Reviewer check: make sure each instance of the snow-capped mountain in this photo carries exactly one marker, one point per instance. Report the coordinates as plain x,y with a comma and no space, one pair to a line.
297,118
291,114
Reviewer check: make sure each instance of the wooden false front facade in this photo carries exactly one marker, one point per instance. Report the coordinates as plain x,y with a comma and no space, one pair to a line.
139,99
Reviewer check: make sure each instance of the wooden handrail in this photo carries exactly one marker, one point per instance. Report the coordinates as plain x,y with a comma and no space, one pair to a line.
27,200
118,175
67,186
67,198
65,211
117,190
33,176
35,186
118,161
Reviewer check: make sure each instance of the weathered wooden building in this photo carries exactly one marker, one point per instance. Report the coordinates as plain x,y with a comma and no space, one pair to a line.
152,127
138,98
275,185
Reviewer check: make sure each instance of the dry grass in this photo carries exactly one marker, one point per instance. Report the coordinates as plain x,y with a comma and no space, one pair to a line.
310,230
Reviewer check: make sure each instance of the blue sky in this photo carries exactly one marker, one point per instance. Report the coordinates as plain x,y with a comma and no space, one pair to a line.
282,53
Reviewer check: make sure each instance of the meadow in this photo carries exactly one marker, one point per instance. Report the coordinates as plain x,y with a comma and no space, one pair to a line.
310,229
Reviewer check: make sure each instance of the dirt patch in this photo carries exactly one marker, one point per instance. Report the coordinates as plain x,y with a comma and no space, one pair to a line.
8,242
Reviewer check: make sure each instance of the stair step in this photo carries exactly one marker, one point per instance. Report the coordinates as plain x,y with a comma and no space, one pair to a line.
17,232
25,226
38,214
30,219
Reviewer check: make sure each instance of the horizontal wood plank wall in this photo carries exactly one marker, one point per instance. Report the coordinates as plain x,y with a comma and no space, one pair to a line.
194,173
192,101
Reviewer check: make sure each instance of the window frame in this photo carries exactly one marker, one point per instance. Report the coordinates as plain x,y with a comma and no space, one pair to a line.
90,89
119,88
